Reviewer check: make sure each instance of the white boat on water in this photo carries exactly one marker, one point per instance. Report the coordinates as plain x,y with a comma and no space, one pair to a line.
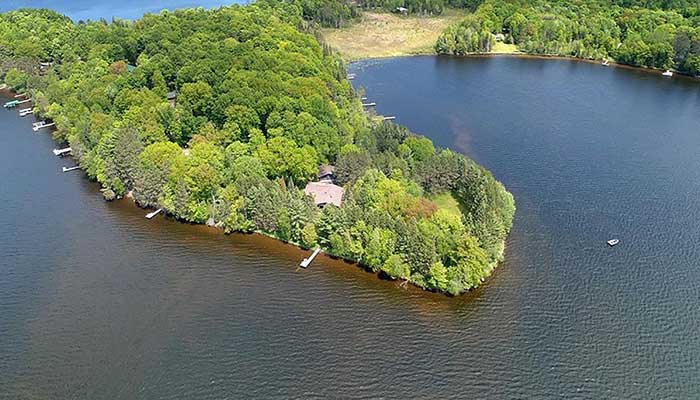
668,73
613,242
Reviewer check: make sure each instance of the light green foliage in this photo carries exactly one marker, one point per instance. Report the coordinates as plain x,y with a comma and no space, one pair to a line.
154,168
283,158
308,236
16,79
396,267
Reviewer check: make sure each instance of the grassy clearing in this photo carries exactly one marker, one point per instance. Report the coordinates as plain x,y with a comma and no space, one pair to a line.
504,48
447,202
390,35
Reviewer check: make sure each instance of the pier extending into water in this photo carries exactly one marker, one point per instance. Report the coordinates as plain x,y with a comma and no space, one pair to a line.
61,152
154,213
68,169
307,261
40,125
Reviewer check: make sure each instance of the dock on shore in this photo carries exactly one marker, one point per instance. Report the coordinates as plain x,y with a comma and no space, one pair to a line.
68,169
40,125
154,213
61,152
307,261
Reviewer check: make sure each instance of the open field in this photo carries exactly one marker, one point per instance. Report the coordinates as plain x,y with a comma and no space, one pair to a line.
389,35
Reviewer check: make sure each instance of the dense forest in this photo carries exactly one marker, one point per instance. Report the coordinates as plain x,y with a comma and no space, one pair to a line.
665,35
259,105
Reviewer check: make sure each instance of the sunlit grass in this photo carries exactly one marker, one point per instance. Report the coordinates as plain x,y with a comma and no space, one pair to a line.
389,35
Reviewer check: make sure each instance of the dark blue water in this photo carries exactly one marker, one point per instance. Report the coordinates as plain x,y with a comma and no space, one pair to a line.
81,10
96,302
590,153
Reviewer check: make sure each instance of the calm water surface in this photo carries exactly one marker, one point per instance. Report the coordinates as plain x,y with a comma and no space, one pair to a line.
125,9
96,302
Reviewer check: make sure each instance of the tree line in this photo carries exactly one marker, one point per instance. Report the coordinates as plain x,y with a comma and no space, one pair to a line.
665,35
260,105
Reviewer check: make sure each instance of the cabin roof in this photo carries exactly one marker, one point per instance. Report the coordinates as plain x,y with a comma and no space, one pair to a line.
325,193
171,95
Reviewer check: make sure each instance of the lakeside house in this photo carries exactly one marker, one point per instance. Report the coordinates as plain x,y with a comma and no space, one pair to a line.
324,191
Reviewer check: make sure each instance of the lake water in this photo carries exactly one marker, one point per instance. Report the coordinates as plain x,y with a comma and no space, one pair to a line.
96,302
83,10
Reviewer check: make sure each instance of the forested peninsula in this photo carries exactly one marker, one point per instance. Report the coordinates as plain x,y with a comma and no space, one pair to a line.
224,117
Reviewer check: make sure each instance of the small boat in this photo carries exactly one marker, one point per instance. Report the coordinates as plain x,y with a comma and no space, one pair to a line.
668,73
605,63
613,242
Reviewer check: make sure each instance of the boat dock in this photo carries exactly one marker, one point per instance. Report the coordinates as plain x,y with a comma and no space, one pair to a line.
40,125
11,104
389,118
351,77
70,168
154,213
25,111
61,152
307,261
369,104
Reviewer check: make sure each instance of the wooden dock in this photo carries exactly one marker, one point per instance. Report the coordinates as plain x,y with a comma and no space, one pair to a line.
307,261
65,169
154,213
36,127
25,111
61,152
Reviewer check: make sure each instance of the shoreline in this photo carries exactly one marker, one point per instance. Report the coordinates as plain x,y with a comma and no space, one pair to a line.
613,63
7,93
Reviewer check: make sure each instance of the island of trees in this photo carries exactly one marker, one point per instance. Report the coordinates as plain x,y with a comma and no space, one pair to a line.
223,116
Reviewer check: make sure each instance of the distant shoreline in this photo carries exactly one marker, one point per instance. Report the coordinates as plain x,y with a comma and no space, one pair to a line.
534,56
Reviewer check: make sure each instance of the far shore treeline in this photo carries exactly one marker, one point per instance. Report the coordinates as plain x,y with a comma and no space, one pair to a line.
661,34
665,36
259,106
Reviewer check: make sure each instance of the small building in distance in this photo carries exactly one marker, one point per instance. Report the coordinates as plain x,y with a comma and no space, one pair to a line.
324,191
500,37
172,98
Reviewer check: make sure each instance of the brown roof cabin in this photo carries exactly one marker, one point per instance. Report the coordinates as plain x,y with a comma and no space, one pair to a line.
325,193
